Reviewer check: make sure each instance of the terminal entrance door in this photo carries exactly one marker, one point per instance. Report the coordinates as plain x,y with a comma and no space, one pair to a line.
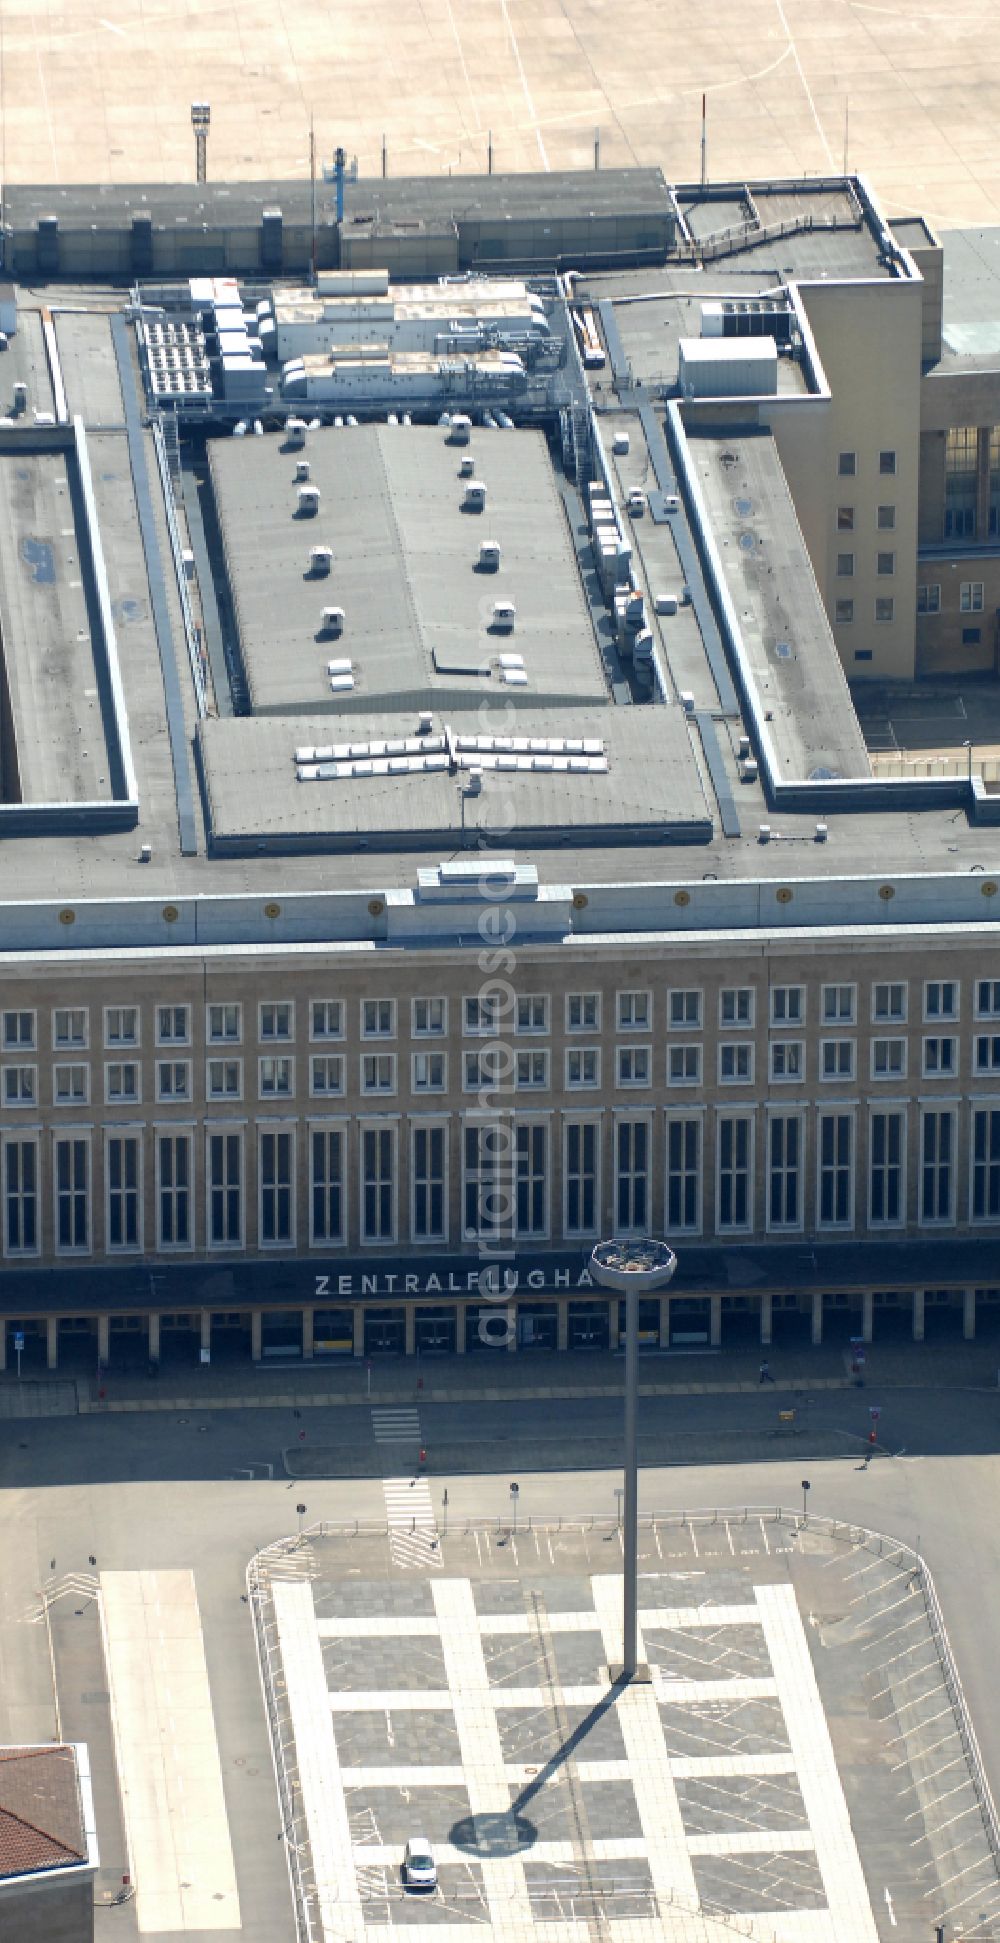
435,1332
385,1332
537,1327
690,1321
588,1325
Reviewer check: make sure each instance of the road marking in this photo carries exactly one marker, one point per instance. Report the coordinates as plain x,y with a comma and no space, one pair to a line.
819,1781
653,1784
167,1753
807,89
395,1426
409,1514
321,1783
481,1751
524,83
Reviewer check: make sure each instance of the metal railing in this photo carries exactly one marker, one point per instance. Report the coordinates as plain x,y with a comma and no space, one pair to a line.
904,1557
192,634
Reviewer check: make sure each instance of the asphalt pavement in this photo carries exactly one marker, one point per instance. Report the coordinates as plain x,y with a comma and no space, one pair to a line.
190,1487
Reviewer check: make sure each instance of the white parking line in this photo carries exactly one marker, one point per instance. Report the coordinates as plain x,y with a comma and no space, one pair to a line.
320,1781
819,1781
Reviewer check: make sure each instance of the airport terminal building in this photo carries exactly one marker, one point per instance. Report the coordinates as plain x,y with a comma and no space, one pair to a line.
477,818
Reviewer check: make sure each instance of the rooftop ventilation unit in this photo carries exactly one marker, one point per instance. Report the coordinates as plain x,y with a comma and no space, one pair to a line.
301,470
489,555
504,614
466,466
320,559
475,496
333,620
308,500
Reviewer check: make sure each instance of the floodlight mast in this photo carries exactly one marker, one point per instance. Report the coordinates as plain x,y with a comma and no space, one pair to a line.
631,1269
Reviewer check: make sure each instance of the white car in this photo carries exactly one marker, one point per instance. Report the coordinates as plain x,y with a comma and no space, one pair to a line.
419,1866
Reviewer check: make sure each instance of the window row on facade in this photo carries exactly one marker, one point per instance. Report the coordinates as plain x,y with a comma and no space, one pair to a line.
336,1184
499,1070
491,1013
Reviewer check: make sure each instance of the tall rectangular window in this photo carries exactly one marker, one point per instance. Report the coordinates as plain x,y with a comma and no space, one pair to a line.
735,1163
69,1028
172,1027
986,1164
225,1190
72,1192
836,1169
326,1019
428,1017
428,1158
961,460
276,1021
684,1175
18,1031
838,1004
378,1183
632,1176
326,1183
583,1011
277,1197
488,1190
225,1022
121,1025
784,1171
20,1188
124,1163
531,1146
994,481
173,1158
886,1151
580,1177
937,1165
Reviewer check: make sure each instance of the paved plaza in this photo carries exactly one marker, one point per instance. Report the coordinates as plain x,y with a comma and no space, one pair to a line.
792,1770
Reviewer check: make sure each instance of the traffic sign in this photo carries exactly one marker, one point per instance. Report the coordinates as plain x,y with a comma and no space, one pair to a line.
19,1339
875,1413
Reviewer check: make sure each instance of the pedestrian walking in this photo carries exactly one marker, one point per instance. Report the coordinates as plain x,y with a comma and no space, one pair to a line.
765,1373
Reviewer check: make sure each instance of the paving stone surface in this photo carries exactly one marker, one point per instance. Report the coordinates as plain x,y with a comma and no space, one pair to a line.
793,1760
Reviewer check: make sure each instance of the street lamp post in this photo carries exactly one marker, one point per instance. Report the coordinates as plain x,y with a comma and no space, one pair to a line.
632,1269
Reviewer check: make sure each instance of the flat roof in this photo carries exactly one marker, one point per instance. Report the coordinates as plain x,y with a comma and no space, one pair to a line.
45,621
971,314
405,570
655,309
105,869
650,792
568,192
786,635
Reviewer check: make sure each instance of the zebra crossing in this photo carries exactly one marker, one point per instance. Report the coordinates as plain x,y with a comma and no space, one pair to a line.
395,1426
413,1538
409,1513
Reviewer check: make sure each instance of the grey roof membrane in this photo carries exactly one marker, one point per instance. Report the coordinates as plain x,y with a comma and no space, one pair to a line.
786,634
972,292
651,790
418,612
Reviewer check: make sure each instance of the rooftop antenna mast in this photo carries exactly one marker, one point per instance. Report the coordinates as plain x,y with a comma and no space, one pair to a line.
312,193
201,117
704,141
